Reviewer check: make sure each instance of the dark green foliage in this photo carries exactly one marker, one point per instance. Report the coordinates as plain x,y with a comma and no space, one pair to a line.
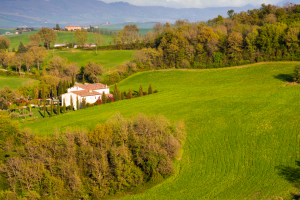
22,48
51,108
13,50
122,96
117,93
2,46
103,98
83,103
64,106
129,94
83,79
73,81
140,93
77,103
150,89
71,104
64,87
112,157
297,74
44,99
58,109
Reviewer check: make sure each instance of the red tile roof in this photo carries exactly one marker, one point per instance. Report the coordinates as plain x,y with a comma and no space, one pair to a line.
96,86
84,93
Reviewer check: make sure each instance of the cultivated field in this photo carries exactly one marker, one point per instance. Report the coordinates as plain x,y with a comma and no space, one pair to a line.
242,123
14,82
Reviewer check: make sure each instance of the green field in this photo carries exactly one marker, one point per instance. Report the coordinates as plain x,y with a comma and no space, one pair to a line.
242,123
63,37
108,59
14,82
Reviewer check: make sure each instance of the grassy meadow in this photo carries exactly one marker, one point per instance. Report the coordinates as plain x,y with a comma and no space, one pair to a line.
108,59
16,39
242,124
15,82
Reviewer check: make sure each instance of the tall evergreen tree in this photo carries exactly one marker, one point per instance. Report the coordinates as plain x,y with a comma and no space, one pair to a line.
51,108
150,89
140,91
64,87
71,104
83,103
117,93
104,98
77,103
83,79
130,94
122,96
58,109
22,48
64,106
60,88
73,81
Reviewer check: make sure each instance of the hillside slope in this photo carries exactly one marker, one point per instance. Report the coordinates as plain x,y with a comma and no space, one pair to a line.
242,124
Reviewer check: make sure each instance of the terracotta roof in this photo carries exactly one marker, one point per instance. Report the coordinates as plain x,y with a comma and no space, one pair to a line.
84,93
96,86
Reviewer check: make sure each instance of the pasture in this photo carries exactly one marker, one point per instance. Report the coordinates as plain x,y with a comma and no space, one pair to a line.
108,59
14,82
242,124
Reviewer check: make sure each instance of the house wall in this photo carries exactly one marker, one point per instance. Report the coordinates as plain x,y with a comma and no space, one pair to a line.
88,99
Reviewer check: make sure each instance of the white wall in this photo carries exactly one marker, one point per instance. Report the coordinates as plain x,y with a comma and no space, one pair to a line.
88,99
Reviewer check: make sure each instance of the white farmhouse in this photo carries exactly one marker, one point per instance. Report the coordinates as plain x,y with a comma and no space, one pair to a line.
90,92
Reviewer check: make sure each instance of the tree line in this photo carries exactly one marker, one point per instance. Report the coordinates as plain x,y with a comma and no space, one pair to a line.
108,160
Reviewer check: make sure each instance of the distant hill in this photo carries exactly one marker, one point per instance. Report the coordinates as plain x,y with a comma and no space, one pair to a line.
91,12
290,1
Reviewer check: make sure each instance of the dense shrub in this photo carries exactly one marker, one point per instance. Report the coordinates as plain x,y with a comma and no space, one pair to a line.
79,164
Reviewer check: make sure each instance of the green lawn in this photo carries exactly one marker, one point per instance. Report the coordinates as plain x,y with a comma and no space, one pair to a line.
241,123
15,82
16,39
109,59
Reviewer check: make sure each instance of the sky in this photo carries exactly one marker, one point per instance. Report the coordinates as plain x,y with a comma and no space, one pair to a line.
196,3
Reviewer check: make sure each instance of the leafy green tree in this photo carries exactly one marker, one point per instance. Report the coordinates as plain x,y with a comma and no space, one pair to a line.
48,35
81,36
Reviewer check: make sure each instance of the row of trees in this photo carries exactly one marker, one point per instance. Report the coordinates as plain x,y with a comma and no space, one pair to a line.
107,160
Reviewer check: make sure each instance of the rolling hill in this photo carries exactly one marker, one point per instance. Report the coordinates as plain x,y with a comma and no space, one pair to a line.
242,127
75,12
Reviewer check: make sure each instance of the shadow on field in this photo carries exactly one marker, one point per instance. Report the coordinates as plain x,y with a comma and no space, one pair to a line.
285,77
291,174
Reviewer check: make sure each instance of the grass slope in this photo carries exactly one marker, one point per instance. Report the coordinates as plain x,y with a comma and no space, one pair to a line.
109,59
15,82
16,39
241,124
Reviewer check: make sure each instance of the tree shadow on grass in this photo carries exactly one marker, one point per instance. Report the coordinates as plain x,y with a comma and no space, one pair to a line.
285,77
292,175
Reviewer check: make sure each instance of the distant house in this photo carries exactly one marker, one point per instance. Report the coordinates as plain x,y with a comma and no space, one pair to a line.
60,44
89,45
95,26
90,92
8,33
73,28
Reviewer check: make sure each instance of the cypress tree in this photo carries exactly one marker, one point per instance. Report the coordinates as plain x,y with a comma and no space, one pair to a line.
73,81
83,80
122,96
64,106
150,89
117,93
77,103
130,94
51,108
60,88
58,109
140,91
64,87
103,98
71,103
13,50
83,103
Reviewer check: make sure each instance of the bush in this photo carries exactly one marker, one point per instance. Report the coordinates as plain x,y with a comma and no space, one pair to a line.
14,115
